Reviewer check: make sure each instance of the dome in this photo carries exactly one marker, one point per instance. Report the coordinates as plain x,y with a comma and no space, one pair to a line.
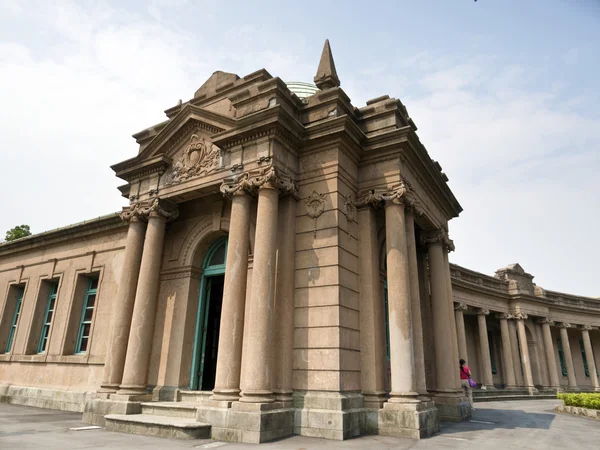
301,89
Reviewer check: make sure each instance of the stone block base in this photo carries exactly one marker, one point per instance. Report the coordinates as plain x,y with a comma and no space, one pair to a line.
452,408
411,420
578,411
252,423
45,398
96,409
329,415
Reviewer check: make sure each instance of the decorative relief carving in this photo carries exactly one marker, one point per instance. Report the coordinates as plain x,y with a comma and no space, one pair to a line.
520,316
350,211
199,157
315,206
460,306
586,328
543,320
378,197
439,236
482,312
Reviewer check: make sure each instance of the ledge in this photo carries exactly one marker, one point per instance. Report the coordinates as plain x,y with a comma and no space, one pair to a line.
578,411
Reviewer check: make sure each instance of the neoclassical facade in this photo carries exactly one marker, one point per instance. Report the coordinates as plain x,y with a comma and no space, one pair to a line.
282,268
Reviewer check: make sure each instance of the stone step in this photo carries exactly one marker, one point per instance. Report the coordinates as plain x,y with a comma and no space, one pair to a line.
194,396
170,409
160,426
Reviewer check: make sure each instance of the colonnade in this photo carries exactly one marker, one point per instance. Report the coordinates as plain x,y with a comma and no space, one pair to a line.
408,383
516,360
243,373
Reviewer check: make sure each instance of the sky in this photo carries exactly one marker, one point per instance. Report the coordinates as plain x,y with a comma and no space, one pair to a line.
505,95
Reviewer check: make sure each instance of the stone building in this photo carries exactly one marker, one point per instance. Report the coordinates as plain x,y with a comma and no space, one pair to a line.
282,268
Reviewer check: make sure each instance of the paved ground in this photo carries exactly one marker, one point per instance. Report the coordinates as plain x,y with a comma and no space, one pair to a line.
529,424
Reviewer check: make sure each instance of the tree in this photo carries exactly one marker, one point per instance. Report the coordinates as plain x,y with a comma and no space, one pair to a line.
18,232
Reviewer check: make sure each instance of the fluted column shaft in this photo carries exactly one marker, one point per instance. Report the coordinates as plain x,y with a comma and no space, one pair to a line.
229,357
415,304
507,360
283,343
525,360
121,322
372,319
446,364
549,348
461,337
144,311
564,339
589,356
484,348
256,376
448,247
399,305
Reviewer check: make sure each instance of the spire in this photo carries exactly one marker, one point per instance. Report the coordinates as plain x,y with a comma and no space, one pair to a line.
326,74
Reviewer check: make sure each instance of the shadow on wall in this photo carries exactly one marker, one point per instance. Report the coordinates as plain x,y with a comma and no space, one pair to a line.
508,419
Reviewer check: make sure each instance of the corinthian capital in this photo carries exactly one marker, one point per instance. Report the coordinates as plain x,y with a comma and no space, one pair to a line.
438,236
504,316
152,208
379,196
268,177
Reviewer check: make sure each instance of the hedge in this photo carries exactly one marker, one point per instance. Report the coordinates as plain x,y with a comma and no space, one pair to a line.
591,401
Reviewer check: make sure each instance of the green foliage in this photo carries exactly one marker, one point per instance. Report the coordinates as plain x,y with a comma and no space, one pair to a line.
18,232
590,401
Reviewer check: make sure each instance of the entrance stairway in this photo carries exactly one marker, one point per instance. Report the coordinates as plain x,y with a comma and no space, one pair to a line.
491,395
165,419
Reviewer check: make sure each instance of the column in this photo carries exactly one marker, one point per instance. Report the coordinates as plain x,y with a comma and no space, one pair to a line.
507,360
446,366
144,310
256,376
484,349
415,303
459,309
372,321
564,339
123,303
525,361
283,343
589,355
516,354
399,304
229,357
549,349
449,247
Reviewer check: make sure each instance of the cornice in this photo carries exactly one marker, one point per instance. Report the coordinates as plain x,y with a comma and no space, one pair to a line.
134,169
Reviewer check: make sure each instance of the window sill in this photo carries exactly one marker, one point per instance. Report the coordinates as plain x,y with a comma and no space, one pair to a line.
55,359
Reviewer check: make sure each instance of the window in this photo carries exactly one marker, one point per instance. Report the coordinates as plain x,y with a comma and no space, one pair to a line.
15,319
585,363
49,314
492,355
87,312
561,357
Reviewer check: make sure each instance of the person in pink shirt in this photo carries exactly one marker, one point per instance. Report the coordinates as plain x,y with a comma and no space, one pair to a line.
465,381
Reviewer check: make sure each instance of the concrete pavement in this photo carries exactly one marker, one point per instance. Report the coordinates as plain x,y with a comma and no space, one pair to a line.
530,424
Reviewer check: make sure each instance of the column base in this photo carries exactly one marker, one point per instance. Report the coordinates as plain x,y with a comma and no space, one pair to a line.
225,395
452,406
332,415
411,420
252,423
374,400
257,396
132,390
284,397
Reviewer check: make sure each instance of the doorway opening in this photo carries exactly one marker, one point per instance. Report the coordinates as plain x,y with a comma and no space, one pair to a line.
208,320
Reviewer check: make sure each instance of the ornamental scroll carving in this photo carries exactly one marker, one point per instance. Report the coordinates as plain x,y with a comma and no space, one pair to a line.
438,236
315,206
350,211
520,316
378,197
198,158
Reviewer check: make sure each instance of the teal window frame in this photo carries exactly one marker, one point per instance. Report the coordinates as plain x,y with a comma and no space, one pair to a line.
492,354
90,292
208,271
387,320
561,358
15,319
584,359
48,316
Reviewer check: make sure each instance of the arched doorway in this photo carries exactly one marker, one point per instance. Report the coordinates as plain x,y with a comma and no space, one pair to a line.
208,319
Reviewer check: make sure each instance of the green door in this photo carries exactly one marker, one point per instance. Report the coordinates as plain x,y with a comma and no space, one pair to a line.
208,319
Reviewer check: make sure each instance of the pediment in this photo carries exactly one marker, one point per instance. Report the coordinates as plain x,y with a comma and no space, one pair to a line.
185,144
